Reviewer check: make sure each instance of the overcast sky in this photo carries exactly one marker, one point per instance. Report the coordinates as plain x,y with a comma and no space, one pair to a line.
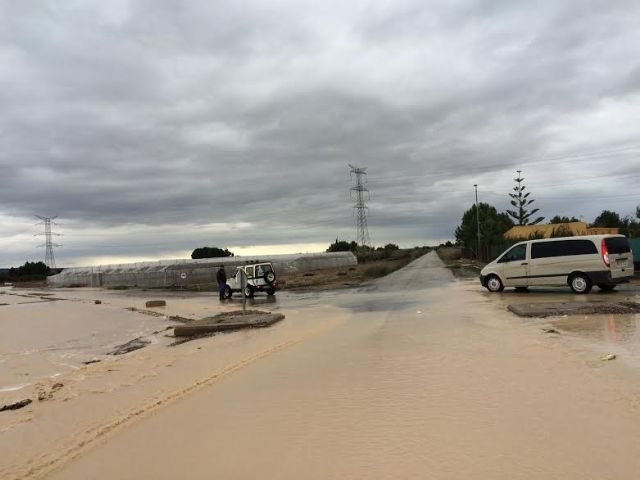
154,127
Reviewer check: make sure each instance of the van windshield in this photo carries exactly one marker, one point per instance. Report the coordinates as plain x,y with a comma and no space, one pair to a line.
517,253
617,245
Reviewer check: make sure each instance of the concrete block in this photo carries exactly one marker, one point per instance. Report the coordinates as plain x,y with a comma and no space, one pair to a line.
155,303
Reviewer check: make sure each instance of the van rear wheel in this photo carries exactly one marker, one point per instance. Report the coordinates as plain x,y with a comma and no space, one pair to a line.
580,283
494,284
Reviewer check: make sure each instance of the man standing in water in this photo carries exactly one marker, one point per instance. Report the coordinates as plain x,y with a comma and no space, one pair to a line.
221,277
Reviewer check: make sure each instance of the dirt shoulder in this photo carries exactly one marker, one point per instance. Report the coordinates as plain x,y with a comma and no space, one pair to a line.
332,278
368,268
459,266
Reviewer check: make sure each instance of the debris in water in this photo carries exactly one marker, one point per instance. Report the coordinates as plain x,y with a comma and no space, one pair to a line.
89,362
97,302
17,405
156,303
44,394
130,346
608,356
550,330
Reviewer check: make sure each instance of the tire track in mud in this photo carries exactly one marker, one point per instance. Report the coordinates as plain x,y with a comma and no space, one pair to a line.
49,462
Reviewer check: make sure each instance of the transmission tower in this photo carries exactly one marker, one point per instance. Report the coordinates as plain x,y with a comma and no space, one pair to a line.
360,194
49,259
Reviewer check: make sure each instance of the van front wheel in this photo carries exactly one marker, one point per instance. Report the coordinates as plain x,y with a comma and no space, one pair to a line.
494,284
580,283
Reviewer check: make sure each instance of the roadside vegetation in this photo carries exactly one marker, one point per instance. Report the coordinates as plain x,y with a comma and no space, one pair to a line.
29,272
493,224
211,252
372,263
461,267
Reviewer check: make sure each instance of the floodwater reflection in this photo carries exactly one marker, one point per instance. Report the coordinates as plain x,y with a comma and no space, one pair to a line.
253,301
619,334
615,328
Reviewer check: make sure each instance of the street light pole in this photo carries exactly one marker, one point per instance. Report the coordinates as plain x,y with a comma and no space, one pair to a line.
477,220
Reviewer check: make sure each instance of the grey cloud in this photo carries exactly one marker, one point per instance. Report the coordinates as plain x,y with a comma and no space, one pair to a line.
186,113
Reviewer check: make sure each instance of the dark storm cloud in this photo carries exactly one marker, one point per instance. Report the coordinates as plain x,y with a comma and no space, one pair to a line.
184,114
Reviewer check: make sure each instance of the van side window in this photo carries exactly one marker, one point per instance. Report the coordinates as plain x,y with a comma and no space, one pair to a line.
562,248
519,252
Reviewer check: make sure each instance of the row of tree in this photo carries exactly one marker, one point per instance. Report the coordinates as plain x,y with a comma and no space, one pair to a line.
29,271
494,224
344,246
211,252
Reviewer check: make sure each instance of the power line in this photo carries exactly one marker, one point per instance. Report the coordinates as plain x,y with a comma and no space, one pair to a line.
360,208
597,155
49,259
573,197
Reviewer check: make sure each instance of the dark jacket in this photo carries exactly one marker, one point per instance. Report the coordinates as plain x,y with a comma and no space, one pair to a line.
221,276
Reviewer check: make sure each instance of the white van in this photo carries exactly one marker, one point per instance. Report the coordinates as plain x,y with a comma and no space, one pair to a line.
579,262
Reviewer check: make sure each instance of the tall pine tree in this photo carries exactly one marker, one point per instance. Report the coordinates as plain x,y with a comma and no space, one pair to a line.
520,201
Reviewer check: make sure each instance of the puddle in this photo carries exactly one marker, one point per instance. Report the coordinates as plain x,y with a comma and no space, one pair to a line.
618,334
374,304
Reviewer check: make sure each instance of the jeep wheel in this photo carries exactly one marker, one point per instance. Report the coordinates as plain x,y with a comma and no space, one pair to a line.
580,283
271,291
270,277
248,291
227,292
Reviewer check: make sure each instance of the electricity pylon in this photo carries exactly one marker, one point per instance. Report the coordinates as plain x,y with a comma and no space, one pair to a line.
361,194
49,259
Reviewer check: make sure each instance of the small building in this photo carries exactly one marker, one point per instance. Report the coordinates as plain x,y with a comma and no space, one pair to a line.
546,230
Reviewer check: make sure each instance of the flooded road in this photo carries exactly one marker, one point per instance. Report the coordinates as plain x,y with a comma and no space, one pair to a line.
44,337
599,333
415,376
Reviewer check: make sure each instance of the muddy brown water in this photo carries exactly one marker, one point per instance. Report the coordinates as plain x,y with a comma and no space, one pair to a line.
618,334
432,382
413,376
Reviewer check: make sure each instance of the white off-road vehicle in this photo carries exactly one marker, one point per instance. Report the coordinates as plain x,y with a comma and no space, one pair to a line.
260,278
